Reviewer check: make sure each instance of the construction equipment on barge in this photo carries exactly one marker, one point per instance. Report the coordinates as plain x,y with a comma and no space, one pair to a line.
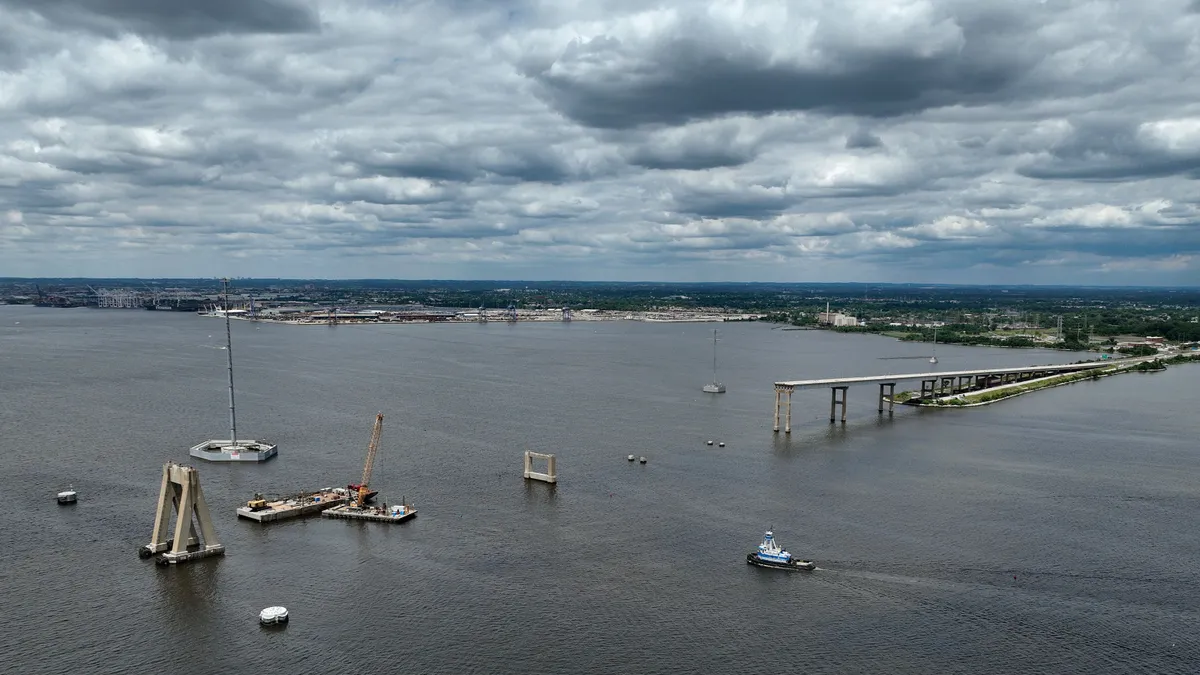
358,509
305,503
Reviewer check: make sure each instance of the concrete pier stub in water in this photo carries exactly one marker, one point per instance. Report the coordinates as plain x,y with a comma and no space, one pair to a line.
181,499
550,475
780,392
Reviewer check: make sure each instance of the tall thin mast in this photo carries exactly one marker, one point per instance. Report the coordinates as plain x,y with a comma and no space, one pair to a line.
714,355
229,353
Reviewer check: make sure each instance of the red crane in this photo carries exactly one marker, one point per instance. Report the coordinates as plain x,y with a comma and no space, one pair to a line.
364,494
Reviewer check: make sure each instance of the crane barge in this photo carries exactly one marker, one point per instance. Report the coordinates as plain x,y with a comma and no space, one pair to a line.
360,494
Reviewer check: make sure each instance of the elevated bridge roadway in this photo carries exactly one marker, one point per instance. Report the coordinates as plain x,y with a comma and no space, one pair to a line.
933,384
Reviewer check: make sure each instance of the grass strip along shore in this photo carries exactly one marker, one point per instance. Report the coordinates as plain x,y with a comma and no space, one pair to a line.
1006,391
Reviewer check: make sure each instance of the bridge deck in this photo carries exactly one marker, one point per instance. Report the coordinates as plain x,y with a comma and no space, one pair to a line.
845,381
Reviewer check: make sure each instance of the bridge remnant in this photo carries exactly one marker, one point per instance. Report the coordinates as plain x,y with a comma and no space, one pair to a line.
550,475
933,385
181,491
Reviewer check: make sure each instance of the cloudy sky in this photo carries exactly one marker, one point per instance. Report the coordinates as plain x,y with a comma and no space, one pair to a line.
1024,141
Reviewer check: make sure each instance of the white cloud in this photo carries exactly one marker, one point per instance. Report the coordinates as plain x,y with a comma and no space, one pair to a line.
773,140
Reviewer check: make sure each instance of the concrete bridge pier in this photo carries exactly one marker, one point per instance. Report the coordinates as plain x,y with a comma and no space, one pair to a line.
180,493
891,396
835,402
550,475
787,424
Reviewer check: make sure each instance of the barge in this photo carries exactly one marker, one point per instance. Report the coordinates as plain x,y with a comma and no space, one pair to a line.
397,513
234,451
303,504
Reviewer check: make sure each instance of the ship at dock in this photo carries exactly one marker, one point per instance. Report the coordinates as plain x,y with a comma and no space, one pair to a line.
233,449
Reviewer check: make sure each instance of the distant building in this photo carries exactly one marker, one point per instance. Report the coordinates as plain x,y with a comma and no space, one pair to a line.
836,319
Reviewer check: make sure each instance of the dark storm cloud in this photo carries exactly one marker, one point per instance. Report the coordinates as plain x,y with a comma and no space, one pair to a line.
1113,151
184,19
691,158
607,83
463,164
752,201
10,55
862,139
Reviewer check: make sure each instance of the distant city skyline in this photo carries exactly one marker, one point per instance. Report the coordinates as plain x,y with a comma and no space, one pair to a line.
867,141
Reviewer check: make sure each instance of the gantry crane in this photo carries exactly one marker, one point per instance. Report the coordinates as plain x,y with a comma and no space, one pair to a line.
363,492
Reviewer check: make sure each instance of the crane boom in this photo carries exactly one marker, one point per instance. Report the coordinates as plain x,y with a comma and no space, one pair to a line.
372,448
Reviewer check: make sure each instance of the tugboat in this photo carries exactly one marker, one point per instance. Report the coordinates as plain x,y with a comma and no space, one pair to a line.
769,554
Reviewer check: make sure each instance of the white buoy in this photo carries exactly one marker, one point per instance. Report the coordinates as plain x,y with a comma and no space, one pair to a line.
721,444
273,615
631,458
642,460
709,442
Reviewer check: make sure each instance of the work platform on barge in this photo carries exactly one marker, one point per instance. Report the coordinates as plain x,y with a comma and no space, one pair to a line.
385,514
303,504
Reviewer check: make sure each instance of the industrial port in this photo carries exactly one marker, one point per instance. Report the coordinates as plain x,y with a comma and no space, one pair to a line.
300,303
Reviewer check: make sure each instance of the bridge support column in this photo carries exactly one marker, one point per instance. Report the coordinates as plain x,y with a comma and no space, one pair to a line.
780,391
180,490
928,388
835,402
776,427
891,396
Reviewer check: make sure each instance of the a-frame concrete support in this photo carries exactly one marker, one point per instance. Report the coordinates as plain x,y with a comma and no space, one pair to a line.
181,493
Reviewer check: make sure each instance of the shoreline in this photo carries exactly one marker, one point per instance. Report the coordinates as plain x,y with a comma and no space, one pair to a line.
547,317
1091,347
987,396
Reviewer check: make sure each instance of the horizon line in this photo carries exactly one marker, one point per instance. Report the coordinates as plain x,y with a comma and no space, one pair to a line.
632,282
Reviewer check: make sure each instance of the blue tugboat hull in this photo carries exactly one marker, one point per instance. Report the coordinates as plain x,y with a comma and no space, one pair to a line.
792,565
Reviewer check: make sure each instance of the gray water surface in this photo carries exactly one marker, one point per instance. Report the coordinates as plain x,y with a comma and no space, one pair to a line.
1053,532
